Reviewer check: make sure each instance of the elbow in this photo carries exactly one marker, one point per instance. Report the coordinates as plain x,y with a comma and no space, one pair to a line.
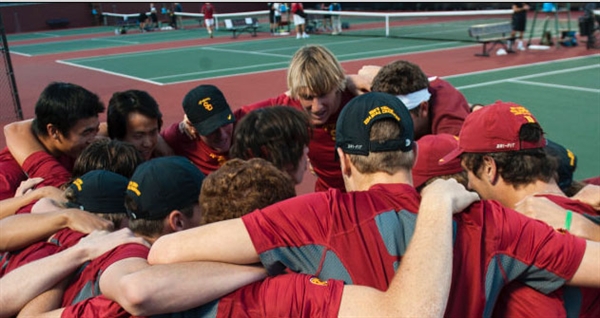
135,297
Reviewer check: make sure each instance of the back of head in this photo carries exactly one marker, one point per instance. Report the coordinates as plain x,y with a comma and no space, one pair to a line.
314,67
63,105
124,103
400,78
105,154
510,134
430,150
100,192
376,131
277,134
240,186
159,186
567,163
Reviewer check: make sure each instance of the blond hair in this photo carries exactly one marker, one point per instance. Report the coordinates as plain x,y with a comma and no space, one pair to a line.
314,67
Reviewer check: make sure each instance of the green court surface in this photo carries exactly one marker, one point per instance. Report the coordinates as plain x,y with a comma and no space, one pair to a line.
563,95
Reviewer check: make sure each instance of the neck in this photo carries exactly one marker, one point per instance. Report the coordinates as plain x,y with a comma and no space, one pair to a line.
534,188
48,144
362,182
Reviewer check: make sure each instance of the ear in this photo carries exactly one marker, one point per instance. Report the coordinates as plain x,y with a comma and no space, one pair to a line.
52,131
424,109
176,221
490,171
344,162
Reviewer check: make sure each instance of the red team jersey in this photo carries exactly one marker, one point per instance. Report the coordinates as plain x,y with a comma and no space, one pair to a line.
448,107
80,297
208,11
518,300
55,171
363,237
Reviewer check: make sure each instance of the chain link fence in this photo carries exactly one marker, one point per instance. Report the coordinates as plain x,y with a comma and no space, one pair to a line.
10,107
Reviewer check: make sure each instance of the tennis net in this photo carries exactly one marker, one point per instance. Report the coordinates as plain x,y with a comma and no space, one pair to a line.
430,25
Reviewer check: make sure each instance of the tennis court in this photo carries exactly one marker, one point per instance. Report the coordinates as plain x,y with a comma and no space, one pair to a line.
563,92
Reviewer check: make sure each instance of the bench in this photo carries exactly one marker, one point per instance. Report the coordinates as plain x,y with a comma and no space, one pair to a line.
57,23
249,25
495,33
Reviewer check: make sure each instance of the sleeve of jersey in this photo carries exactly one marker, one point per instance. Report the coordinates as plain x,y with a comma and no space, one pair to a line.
449,108
282,239
42,164
98,306
130,250
533,252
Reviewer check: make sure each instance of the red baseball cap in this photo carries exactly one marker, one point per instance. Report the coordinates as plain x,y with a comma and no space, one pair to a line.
494,128
430,149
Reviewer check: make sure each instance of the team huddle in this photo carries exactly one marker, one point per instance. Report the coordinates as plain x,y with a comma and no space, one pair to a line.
424,204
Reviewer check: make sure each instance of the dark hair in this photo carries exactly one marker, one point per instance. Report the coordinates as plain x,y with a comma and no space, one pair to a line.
63,105
277,134
121,104
400,78
105,154
518,167
239,187
152,228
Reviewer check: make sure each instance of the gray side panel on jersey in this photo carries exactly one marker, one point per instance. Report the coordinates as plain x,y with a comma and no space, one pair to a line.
333,268
539,279
89,290
304,259
593,218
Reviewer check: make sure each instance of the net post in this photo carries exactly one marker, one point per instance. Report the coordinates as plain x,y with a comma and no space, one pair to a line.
387,25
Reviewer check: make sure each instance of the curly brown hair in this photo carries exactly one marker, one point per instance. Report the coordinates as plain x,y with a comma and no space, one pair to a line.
240,186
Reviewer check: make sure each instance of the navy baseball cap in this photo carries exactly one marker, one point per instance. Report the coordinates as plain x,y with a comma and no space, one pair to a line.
353,126
99,191
567,163
161,185
207,109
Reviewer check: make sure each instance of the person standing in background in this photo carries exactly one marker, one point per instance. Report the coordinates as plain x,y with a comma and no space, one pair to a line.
336,20
519,21
299,20
177,8
208,10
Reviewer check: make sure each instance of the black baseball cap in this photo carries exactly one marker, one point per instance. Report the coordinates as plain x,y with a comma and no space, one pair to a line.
99,191
567,163
161,185
353,126
207,109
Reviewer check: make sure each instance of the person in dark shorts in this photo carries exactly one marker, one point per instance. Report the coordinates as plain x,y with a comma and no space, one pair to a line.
143,19
519,20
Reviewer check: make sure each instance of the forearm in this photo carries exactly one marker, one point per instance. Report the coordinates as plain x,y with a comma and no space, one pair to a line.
587,274
30,280
422,285
225,241
45,304
178,287
10,206
19,231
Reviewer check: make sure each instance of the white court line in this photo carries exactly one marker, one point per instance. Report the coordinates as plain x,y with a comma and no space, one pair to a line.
243,52
398,49
116,41
522,66
48,35
109,72
18,53
572,88
528,76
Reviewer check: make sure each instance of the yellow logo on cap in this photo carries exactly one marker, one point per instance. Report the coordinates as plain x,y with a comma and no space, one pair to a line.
78,183
520,110
133,187
229,117
206,104
571,156
379,111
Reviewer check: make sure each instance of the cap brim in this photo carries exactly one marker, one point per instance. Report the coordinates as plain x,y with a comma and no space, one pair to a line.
451,156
